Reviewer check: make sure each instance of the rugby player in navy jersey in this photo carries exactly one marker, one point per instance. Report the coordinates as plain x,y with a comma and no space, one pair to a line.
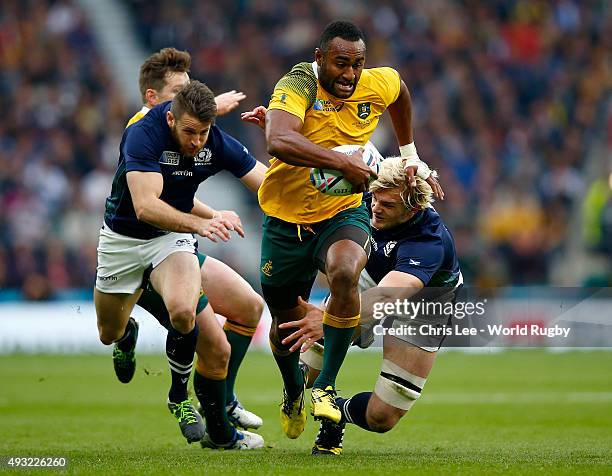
413,257
161,76
150,218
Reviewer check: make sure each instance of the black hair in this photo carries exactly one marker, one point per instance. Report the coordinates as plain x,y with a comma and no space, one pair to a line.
340,29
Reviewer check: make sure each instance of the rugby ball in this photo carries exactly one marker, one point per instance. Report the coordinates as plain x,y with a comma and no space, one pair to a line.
332,182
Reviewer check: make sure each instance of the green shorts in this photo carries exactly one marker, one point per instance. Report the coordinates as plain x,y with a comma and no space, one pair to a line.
293,253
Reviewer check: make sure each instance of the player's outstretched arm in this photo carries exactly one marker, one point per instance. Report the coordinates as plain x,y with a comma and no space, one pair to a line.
228,101
396,285
146,188
401,117
286,142
228,218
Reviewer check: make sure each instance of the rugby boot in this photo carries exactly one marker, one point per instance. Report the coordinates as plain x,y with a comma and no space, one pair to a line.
240,417
323,404
189,420
293,412
329,439
243,440
124,361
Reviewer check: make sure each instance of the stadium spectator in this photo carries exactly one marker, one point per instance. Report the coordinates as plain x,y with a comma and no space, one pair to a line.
505,92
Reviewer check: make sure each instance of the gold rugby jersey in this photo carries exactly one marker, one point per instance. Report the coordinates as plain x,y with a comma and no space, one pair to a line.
138,116
286,191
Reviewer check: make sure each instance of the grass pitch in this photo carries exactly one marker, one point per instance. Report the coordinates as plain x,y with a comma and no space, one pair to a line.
511,412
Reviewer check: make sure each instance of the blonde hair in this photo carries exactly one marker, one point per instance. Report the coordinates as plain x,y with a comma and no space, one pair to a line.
392,175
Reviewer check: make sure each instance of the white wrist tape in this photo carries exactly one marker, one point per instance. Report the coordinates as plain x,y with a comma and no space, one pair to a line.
408,151
423,170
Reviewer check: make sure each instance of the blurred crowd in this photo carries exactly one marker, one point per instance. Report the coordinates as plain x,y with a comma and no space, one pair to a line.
508,97
59,130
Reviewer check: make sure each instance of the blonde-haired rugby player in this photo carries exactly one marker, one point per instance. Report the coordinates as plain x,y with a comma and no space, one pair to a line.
413,257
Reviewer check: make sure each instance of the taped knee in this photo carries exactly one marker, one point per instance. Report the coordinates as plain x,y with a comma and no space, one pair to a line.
313,357
398,387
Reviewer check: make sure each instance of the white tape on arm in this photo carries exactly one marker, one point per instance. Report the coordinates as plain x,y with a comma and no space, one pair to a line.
408,151
411,158
423,170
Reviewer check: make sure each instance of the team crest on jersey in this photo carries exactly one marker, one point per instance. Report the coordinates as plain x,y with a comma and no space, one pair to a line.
170,157
389,248
204,157
363,110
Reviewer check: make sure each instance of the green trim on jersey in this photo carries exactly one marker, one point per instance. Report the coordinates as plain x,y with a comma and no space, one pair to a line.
302,80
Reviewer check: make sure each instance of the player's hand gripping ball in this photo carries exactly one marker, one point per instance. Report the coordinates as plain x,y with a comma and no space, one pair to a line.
332,182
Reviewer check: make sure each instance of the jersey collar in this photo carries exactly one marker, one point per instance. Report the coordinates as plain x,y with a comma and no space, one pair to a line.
315,68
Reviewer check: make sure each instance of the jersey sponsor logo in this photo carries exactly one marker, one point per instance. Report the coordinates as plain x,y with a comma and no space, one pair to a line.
183,173
170,157
374,244
107,278
204,157
413,262
267,268
183,242
363,110
389,248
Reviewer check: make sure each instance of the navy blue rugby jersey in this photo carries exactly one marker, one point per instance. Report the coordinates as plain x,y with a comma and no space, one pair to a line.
148,146
422,247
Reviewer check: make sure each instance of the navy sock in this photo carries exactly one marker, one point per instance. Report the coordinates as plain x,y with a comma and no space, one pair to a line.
180,349
128,340
354,409
211,395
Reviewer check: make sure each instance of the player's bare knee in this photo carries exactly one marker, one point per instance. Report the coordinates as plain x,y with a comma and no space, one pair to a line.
380,421
222,351
257,309
182,317
253,310
342,278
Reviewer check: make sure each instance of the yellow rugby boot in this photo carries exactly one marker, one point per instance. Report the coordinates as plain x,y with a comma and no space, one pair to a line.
323,404
293,413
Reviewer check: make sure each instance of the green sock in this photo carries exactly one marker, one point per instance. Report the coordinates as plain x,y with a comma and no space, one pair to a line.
240,343
211,394
337,342
292,375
